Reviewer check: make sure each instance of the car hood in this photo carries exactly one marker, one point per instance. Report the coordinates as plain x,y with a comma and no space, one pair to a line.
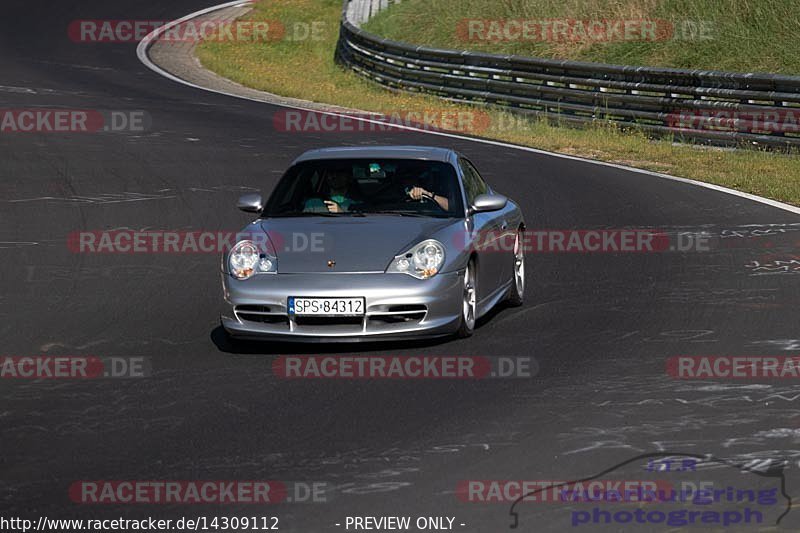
356,244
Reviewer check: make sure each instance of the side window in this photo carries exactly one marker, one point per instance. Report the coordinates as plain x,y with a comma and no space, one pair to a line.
473,182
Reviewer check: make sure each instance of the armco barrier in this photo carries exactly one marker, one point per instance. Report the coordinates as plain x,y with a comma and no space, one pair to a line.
715,107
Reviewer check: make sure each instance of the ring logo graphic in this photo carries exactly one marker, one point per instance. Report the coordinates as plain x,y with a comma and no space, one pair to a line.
767,468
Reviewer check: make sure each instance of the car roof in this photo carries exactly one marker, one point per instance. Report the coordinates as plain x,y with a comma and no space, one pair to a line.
430,153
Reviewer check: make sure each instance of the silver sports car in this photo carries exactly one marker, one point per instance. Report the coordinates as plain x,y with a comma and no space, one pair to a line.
359,244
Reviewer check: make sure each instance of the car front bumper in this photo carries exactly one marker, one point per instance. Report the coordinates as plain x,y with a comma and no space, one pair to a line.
398,306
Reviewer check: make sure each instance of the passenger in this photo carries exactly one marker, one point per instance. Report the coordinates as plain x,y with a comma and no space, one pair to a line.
340,193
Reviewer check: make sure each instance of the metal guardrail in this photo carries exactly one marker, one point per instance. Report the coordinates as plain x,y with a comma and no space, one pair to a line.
360,11
715,107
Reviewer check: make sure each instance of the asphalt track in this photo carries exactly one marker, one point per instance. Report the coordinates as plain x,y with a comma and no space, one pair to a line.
600,326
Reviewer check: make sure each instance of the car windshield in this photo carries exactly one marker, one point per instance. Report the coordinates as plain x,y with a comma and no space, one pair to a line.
361,187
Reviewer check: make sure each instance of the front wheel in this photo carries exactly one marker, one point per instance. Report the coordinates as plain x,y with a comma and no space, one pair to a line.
516,293
469,302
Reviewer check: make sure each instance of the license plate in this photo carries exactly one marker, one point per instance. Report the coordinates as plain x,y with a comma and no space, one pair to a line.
326,306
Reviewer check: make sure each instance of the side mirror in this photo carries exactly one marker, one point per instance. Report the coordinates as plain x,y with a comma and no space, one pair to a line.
488,202
250,203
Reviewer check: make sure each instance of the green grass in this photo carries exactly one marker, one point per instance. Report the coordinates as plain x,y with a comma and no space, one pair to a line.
740,35
305,69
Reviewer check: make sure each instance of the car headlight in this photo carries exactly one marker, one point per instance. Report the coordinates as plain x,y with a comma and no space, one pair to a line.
423,261
246,260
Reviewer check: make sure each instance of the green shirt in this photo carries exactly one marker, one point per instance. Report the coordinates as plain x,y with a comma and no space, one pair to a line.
316,205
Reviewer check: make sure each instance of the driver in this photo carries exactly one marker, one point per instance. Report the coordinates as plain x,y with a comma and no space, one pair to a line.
433,189
418,193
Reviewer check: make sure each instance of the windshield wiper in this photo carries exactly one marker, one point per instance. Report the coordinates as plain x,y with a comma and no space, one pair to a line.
400,213
301,214
316,214
353,212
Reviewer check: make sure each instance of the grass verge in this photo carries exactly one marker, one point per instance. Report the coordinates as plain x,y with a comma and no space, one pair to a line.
733,35
304,68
